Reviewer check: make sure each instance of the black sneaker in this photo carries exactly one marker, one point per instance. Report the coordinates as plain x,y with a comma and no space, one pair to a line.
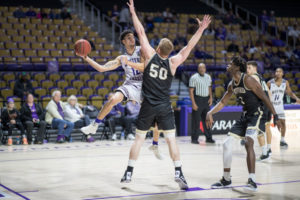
283,144
179,178
264,157
269,152
127,177
195,142
212,141
251,185
221,184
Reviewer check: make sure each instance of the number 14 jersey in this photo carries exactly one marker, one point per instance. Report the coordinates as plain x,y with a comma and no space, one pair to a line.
157,80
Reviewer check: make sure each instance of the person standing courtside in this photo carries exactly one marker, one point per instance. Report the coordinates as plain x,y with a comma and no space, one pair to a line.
201,97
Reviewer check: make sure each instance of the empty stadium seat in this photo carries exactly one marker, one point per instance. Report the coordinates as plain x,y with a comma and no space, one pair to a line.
47,84
77,84
39,91
96,101
70,91
86,91
92,84
6,92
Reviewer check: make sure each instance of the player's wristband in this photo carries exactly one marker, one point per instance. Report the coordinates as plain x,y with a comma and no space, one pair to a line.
275,119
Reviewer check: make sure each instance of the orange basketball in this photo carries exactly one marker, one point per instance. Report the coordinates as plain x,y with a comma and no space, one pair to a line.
82,47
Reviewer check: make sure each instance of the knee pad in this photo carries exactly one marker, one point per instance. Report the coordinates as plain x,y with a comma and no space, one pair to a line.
169,134
252,133
141,133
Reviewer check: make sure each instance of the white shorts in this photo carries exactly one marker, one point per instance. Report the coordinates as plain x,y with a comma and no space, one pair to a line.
131,91
280,111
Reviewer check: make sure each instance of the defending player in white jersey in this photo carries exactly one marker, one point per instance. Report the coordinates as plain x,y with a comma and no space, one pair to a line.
278,87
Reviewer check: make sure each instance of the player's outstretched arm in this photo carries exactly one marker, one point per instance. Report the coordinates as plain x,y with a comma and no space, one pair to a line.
110,65
184,53
138,66
219,106
291,93
256,88
146,47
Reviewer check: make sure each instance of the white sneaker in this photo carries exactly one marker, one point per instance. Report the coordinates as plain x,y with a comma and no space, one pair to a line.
156,151
130,137
90,129
114,137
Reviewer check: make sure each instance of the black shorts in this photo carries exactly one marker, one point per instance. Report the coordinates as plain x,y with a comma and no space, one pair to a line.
247,123
162,114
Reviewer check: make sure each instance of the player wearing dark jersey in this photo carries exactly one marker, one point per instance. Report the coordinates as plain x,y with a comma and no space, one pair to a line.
157,77
252,71
250,95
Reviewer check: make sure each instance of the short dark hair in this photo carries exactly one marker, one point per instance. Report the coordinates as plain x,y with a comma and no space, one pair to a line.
124,33
253,63
241,62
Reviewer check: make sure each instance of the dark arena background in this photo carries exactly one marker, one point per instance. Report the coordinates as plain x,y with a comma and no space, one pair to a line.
44,154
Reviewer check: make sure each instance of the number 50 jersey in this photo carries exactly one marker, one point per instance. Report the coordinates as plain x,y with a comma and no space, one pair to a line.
157,80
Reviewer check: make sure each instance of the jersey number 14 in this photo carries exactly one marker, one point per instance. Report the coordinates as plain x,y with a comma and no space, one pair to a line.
156,71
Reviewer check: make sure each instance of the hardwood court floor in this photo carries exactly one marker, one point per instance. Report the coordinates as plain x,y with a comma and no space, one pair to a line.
81,171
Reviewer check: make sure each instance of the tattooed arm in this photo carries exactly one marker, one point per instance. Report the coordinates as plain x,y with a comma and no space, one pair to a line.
110,65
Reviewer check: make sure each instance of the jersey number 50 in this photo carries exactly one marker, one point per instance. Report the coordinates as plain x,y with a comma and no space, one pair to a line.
156,71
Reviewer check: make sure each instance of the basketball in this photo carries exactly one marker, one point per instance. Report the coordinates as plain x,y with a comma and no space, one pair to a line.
82,47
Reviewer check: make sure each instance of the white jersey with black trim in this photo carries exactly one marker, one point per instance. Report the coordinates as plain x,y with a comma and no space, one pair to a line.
133,76
277,95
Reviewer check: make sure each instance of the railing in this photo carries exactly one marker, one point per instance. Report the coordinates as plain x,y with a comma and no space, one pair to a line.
96,19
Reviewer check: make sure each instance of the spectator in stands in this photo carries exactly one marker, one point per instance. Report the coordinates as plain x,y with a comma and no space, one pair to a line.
233,47
220,33
32,115
297,51
10,118
168,16
19,13
42,14
158,18
52,15
55,117
294,31
149,23
115,13
65,14
74,114
67,5
23,86
231,35
125,18
277,42
264,20
114,118
155,41
132,110
201,54
200,85
272,17
180,39
31,13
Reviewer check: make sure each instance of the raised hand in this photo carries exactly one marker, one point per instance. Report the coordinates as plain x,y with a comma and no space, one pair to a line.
83,57
205,22
131,6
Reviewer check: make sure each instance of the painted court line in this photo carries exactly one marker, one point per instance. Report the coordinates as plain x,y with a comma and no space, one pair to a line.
16,193
190,190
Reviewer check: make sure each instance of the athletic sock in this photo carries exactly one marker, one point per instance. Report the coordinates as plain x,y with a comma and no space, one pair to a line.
177,163
269,146
282,139
154,143
264,150
98,121
227,176
252,176
131,163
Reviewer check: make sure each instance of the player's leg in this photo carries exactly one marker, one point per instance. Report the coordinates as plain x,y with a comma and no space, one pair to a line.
262,143
282,131
269,137
92,128
154,147
227,160
144,122
166,122
251,134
